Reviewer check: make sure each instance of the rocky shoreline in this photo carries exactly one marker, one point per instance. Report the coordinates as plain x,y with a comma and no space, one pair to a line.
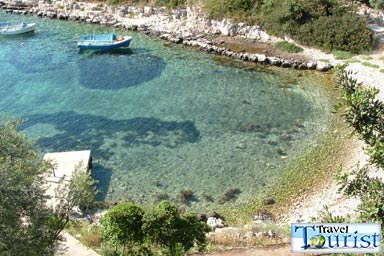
190,27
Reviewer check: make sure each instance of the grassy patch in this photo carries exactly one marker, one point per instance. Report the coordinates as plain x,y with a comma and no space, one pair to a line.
353,61
342,55
366,57
325,60
382,70
371,65
87,234
288,47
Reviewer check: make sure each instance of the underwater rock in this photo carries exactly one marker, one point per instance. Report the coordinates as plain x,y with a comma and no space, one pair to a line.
230,195
241,146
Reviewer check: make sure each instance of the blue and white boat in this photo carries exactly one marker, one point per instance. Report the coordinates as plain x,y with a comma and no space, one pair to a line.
103,42
8,28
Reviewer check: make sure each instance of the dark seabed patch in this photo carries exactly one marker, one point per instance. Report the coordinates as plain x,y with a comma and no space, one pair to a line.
118,69
79,132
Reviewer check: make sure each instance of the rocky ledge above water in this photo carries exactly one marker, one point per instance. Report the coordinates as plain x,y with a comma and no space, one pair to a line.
190,27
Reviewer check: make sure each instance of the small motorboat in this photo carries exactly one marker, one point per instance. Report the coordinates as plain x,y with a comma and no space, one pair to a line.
103,42
8,28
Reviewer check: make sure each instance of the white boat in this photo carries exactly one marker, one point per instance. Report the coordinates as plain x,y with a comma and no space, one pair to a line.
7,28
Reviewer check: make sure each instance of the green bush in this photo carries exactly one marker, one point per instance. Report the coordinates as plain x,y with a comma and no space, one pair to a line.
326,24
346,33
288,47
127,229
236,9
123,225
178,233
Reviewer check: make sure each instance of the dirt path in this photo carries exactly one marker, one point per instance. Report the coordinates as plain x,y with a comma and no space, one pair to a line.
72,247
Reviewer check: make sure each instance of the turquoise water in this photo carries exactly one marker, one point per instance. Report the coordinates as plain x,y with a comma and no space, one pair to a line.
159,119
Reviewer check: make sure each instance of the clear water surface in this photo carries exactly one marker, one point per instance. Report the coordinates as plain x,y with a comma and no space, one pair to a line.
159,119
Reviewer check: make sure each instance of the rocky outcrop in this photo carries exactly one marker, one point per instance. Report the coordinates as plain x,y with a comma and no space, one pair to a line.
190,27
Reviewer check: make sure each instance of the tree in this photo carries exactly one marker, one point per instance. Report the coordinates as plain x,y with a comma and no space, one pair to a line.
122,225
27,225
166,227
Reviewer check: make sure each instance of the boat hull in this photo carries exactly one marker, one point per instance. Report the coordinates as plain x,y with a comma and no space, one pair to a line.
104,45
17,29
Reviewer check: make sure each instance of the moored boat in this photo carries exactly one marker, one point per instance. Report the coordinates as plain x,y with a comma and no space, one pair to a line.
103,42
8,28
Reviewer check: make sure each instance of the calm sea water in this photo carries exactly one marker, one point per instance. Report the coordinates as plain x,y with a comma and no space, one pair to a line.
158,119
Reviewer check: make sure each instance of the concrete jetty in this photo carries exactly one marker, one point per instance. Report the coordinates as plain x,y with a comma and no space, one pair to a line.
65,163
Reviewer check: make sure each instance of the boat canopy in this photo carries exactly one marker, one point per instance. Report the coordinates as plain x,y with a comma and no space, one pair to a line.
100,37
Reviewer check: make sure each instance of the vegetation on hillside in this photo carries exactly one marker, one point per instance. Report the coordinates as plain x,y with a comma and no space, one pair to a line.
377,4
326,24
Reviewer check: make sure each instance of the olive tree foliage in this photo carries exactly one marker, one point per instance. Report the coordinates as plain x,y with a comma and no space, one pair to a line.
77,194
27,225
365,114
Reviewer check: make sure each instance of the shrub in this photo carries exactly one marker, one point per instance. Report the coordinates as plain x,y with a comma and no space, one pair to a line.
167,228
288,47
218,9
123,225
346,33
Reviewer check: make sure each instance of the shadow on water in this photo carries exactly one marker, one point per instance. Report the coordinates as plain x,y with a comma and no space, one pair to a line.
117,69
103,176
118,51
80,132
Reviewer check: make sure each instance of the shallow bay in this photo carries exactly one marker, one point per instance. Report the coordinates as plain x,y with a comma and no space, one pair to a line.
159,119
